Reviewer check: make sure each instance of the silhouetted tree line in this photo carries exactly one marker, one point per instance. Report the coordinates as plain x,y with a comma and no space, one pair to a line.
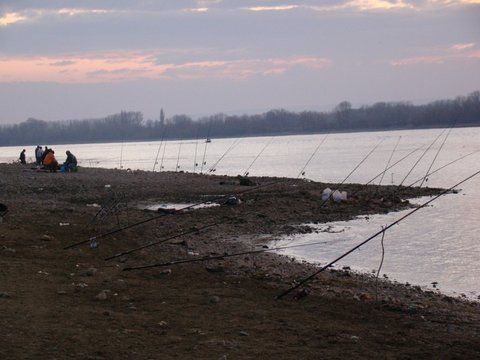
464,111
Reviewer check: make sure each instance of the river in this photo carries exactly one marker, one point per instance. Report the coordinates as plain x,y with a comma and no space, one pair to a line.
440,243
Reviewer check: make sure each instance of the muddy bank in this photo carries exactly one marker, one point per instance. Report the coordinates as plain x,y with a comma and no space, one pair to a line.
58,303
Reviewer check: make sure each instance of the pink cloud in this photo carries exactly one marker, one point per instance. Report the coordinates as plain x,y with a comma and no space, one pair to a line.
442,55
119,66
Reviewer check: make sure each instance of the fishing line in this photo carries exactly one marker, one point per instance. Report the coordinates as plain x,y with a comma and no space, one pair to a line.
381,264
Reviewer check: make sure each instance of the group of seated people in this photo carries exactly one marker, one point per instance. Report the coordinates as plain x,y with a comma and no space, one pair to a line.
47,159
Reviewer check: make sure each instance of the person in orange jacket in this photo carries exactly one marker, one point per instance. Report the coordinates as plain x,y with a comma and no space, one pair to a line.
49,162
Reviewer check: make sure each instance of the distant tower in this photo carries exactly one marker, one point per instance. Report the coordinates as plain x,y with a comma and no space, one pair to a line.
162,117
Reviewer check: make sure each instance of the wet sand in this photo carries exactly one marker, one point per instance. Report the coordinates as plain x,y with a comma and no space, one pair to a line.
60,303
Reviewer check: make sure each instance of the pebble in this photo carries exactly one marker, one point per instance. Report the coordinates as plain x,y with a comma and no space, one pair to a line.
214,300
47,238
4,295
61,292
89,272
214,269
243,333
102,295
166,271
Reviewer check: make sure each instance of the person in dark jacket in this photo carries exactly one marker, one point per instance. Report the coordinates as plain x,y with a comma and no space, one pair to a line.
71,163
44,154
22,157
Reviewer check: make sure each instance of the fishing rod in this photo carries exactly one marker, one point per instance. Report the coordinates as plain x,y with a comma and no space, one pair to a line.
219,257
104,209
93,240
388,168
436,155
421,157
178,157
391,166
181,234
163,154
152,243
121,155
302,171
260,153
196,146
444,166
351,172
158,151
310,277
234,144
389,160
205,148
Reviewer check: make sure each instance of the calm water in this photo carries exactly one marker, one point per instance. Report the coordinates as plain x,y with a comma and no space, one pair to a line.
440,243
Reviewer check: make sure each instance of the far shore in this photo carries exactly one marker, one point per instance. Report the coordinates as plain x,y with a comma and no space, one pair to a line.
275,134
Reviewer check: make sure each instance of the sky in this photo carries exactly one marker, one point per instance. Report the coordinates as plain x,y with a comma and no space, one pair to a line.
81,59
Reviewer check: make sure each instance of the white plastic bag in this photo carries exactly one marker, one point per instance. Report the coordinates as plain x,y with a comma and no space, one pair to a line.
326,194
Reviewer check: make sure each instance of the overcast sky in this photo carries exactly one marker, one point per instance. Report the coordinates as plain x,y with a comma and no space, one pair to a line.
78,59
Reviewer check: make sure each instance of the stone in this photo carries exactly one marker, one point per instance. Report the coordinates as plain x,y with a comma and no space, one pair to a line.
214,299
233,201
102,295
245,181
61,292
4,295
89,272
47,238
243,333
214,269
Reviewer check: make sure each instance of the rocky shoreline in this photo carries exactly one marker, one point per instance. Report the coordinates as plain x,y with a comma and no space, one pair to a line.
60,303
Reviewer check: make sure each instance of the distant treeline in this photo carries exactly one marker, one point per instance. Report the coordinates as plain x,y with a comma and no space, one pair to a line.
128,126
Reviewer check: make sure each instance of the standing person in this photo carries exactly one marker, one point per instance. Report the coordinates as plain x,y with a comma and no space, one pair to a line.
71,163
38,155
22,157
42,159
